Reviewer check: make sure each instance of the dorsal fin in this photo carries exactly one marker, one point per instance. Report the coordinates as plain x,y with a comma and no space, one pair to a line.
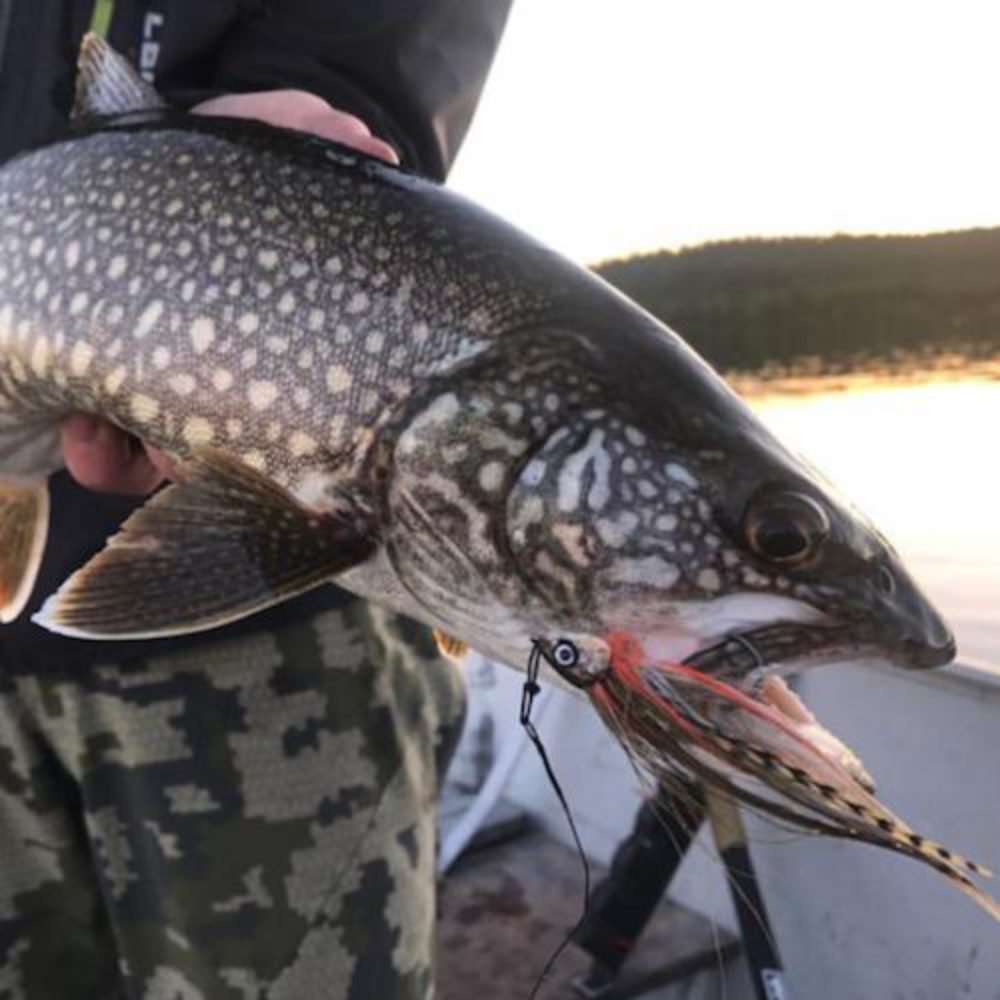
107,84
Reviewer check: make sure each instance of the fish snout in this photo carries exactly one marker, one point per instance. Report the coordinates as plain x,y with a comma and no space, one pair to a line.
925,655
923,639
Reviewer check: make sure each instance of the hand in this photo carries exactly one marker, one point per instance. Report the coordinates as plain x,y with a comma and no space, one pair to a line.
103,457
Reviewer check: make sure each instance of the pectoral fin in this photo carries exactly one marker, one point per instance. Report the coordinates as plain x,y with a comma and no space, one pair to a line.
24,524
218,545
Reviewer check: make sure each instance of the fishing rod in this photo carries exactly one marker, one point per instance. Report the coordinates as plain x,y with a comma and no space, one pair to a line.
643,866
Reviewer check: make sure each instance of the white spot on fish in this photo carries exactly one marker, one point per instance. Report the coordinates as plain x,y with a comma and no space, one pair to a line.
144,408
262,394
358,303
572,472
709,579
368,401
532,511
286,304
41,289
202,334
634,436
277,345
161,357
255,459
333,266
40,356
148,318
301,396
80,358
666,522
234,428
173,207
647,571
300,444
491,476
198,431
316,319
681,475
222,379
268,259
36,247
78,303
616,532
182,383
374,342
117,267
338,378
248,323
534,472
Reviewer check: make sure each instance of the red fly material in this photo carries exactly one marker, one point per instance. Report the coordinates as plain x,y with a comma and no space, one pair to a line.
626,664
678,723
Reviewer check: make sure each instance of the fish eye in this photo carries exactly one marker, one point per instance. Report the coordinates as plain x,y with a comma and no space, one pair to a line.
785,527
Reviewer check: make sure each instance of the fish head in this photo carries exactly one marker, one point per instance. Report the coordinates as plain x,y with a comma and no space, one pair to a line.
692,528
670,515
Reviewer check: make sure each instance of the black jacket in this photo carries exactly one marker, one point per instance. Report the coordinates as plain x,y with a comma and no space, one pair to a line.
412,70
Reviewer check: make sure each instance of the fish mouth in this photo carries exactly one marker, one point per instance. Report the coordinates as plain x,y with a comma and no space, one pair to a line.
788,646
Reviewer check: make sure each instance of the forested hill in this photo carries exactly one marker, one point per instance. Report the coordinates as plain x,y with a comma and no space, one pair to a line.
755,302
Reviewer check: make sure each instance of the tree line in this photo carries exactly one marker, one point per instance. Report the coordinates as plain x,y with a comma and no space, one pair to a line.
756,303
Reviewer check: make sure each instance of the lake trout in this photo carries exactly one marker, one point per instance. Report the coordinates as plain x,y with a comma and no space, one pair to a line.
362,378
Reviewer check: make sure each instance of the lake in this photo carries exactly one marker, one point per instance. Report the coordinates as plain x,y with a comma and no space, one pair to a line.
923,461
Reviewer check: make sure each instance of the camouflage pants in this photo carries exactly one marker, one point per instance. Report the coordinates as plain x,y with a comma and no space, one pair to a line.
246,818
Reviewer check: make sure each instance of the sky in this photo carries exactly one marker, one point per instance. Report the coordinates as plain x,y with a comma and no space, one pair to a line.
610,127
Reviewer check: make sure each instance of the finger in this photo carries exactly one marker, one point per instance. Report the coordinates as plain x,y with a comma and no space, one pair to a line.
103,457
305,112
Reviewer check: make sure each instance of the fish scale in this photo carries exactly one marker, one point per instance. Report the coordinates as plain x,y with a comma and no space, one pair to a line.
363,379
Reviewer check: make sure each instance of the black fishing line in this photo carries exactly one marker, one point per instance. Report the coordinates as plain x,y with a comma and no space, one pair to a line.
528,694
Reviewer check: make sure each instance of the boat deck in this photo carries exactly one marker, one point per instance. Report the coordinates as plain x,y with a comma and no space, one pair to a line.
504,909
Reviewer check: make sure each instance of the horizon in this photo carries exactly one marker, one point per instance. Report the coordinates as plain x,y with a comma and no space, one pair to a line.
687,125
788,237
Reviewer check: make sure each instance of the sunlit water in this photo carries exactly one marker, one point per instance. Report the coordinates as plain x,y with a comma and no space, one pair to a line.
922,461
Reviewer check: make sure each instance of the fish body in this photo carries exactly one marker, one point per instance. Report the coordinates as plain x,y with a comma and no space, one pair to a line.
362,377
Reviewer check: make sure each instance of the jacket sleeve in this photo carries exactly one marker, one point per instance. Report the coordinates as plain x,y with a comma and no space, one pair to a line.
413,70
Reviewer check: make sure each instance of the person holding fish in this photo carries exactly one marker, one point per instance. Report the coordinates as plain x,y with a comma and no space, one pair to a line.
356,377
246,812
